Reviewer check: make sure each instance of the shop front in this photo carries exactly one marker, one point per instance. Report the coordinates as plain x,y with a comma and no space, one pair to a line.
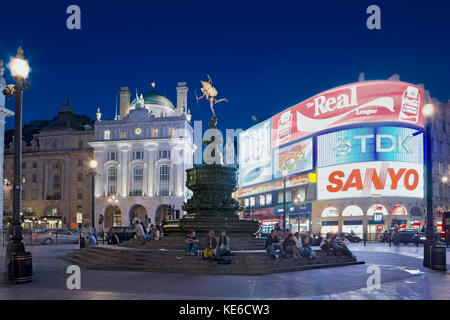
329,226
353,226
298,216
266,218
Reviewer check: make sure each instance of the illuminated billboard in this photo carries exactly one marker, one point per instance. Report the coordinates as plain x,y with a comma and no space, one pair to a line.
362,102
370,179
295,158
369,144
255,154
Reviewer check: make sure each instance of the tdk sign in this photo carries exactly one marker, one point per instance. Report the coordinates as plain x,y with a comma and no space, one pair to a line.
370,144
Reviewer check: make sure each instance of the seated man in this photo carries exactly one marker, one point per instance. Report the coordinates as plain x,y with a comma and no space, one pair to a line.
191,243
91,240
299,245
307,249
327,244
341,246
140,233
112,238
210,246
290,247
223,245
272,244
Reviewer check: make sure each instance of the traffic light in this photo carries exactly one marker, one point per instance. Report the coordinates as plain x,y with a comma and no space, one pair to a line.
100,219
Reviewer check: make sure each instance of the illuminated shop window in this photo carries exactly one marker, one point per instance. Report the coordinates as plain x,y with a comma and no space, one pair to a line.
399,210
262,200
107,135
330,212
252,201
246,202
268,199
352,211
377,209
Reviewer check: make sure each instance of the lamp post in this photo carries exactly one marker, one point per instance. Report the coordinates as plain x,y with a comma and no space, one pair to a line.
285,175
93,165
19,70
428,111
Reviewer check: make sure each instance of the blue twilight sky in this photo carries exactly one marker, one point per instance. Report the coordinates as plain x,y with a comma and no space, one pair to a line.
264,56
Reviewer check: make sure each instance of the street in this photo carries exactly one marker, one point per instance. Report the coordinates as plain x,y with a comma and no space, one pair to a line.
402,277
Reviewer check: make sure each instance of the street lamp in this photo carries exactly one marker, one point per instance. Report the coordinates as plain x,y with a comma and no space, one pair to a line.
285,175
93,166
19,70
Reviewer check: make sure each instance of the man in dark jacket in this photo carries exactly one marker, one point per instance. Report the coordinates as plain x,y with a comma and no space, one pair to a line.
273,244
112,238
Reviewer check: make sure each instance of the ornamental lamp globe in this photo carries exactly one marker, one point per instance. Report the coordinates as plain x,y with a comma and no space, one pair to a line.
93,164
428,110
19,66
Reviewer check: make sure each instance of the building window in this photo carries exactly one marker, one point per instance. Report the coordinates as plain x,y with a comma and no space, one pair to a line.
55,165
34,194
80,163
154,133
164,180
171,131
268,199
80,177
56,185
330,212
80,144
138,155
24,165
112,180
352,211
112,155
246,202
123,134
34,177
24,179
262,200
54,144
252,201
164,154
288,197
34,164
138,178
79,194
107,135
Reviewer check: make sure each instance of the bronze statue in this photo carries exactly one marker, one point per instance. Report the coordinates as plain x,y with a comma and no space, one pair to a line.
210,93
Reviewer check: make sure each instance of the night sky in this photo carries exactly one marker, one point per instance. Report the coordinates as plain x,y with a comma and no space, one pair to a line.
264,56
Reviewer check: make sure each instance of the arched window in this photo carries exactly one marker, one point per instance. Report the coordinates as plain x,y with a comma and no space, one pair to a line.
112,180
352,211
330,212
377,209
399,210
137,182
164,175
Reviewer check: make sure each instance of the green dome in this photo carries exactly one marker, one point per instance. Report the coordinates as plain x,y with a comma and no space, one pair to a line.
153,97
66,107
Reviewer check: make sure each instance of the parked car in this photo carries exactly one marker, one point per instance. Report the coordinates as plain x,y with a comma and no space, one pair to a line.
124,233
405,236
52,236
352,238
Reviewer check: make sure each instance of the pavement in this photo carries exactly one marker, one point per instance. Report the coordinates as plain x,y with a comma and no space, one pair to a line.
402,276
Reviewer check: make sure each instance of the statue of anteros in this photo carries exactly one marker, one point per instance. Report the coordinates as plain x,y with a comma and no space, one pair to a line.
210,93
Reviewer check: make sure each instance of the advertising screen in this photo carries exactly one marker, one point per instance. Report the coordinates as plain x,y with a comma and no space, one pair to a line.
369,144
255,154
295,158
362,102
369,179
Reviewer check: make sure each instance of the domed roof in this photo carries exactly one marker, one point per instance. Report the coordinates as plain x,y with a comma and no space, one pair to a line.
66,107
153,97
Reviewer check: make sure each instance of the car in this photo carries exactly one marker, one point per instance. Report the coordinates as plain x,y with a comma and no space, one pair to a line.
352,238
49,237
405,236
124,233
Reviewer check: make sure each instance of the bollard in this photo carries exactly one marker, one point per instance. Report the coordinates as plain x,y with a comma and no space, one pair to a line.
365,238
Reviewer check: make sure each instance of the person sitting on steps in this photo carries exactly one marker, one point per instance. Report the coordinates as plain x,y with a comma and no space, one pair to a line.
327,244
273,244
223,245
289,246
307,242
191,243
210,247
341,246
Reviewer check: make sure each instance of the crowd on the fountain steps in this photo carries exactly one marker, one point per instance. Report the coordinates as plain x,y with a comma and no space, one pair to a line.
215,247
143,233
296,245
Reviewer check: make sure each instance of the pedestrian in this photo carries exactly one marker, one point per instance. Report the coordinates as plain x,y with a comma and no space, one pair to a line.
210,246
341,246
273,244
191,243
223,245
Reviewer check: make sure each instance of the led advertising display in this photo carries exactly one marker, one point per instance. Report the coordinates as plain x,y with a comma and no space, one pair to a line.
369,144
295,158
368,179
362,102
255,154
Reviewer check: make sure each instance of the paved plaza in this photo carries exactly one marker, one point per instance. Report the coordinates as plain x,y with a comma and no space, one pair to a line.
402,277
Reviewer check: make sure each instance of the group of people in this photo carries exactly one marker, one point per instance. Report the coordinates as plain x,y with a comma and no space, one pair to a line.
289,244
336,243
142,233
215,248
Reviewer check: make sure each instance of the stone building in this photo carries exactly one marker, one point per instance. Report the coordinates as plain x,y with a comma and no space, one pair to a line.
142,156
3,114
55,163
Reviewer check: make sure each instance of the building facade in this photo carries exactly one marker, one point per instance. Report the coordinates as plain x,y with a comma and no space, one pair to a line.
141,158
3,114
55,163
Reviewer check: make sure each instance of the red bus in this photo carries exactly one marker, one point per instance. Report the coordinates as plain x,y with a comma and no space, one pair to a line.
445,233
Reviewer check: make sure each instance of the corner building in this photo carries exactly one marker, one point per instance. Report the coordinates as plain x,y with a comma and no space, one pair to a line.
142,156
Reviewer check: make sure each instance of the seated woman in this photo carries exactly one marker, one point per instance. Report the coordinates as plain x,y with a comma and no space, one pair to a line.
211,244
223,245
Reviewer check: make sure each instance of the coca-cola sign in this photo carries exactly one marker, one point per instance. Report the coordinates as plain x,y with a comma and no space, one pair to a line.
370,101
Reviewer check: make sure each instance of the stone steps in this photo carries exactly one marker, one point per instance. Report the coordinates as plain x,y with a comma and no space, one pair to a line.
114,258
